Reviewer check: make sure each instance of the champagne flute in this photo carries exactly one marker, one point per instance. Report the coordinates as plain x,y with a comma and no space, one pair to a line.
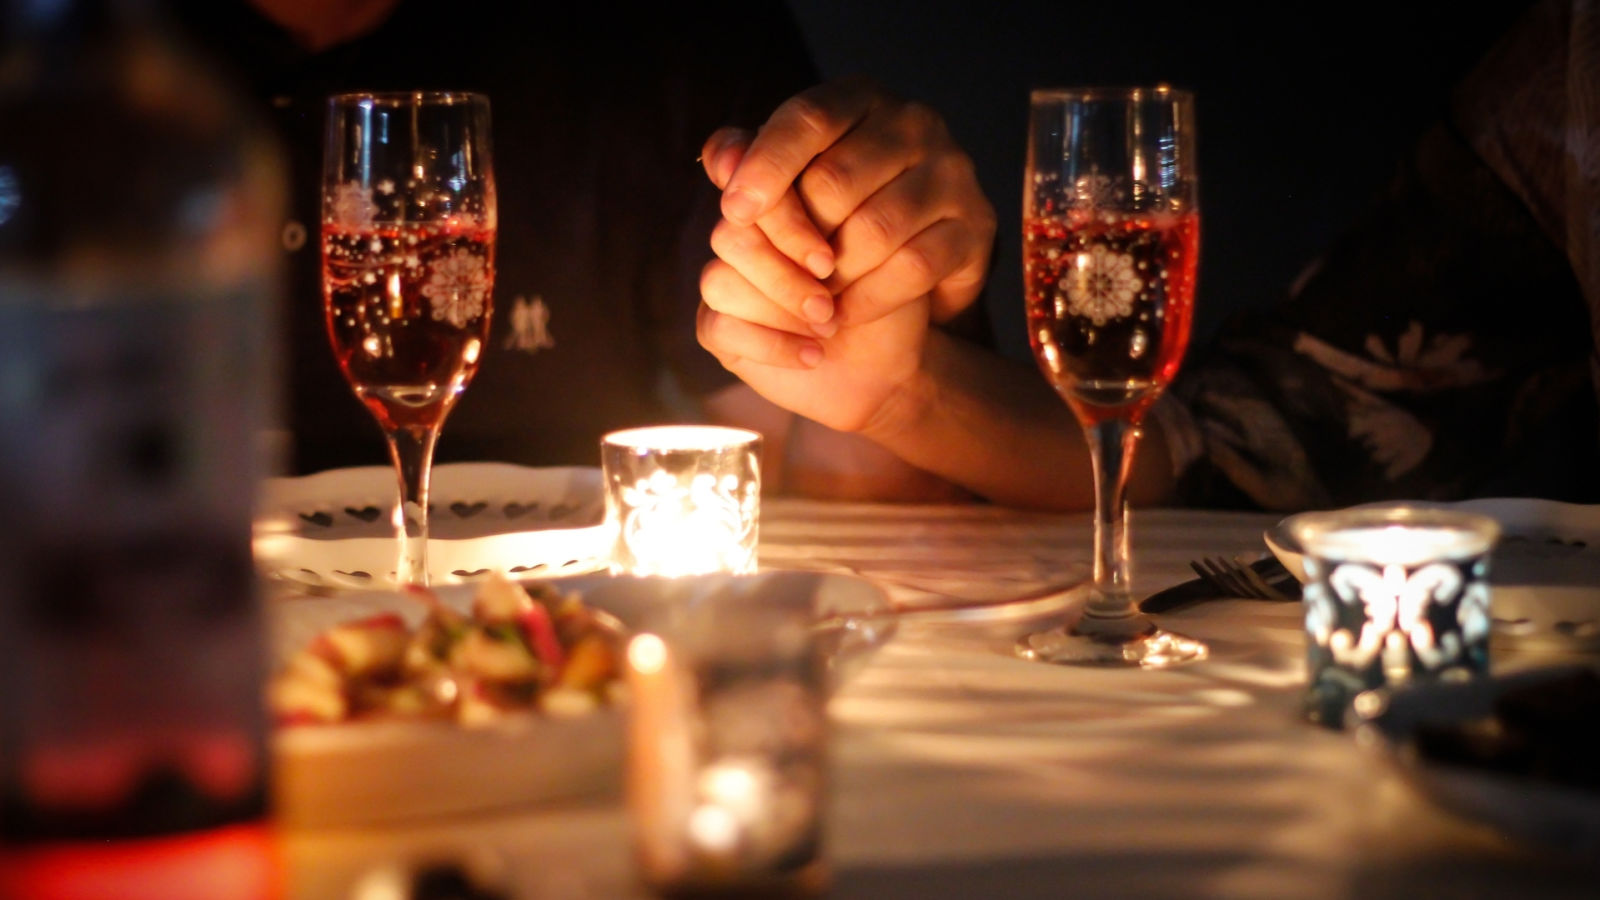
408,242
1111,233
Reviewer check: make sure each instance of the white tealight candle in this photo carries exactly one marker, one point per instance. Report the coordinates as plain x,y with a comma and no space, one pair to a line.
1401,544
682,500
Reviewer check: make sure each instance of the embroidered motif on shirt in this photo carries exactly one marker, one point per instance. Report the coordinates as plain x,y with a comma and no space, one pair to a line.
530,325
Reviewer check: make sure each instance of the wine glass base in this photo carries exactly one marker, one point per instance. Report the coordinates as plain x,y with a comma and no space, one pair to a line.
1151,649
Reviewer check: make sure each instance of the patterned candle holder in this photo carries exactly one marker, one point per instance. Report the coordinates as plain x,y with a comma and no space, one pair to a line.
682,499
728,738
1393,594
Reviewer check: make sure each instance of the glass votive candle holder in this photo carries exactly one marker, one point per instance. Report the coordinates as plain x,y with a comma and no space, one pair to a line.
682,499
727,772
1393,594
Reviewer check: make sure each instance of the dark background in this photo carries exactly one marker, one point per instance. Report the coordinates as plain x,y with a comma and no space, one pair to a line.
1302,111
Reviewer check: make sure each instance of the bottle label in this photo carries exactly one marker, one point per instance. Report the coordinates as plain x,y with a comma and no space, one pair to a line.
131,645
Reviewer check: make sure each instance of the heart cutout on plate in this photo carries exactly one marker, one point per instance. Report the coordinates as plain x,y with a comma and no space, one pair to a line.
365,513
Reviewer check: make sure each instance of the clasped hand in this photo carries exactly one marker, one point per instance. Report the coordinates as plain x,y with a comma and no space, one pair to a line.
851,220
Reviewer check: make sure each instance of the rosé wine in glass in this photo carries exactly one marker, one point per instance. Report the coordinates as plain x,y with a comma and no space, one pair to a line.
408,238
407,310
1111,246
1110,300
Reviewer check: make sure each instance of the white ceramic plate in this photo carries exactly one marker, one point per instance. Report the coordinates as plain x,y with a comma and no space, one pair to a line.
1545,570
1543,813
331,530
360,774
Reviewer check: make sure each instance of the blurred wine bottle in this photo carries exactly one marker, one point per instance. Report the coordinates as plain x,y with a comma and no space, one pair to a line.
139,205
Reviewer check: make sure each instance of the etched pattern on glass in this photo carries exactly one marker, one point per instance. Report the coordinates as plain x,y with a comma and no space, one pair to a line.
457,288
701,524
1400,622
1101,285
1096,190
351,205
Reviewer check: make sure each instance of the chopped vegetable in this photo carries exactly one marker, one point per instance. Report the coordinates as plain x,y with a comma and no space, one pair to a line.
591,663
366,647
541,636
522,649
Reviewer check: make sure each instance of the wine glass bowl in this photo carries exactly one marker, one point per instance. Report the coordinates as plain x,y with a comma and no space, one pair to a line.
408,253
1111,238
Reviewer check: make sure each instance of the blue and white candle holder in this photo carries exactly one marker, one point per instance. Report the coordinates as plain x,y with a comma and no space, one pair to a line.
1394,594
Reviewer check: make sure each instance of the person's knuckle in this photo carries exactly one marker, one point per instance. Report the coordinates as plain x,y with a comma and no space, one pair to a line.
969,272
824,181
917,265
875,226
807,116
985,223
733,242
862,302
967,204
921,121
955,167
977,215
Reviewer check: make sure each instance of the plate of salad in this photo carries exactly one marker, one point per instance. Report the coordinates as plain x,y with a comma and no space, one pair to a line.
402,705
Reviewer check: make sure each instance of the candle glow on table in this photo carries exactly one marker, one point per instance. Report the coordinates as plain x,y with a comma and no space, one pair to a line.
682,499
1393,594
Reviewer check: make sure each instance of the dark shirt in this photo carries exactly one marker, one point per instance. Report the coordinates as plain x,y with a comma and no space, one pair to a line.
1444,347
599,112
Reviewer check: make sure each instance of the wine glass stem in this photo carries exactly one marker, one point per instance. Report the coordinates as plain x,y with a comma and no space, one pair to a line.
1111,445
411,449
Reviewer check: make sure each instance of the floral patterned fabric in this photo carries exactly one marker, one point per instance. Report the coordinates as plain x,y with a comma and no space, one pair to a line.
1444,348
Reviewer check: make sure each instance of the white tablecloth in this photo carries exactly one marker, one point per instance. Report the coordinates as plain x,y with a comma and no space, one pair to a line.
960,771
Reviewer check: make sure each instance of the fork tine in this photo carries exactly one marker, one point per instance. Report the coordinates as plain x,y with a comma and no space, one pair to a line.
1226,576
1204,570
1239,576
1260,587
1234,578
1241,579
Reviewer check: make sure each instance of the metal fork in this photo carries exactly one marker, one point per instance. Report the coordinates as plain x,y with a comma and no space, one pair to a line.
1266,579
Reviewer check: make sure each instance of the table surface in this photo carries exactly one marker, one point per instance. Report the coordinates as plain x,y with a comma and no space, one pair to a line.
961,771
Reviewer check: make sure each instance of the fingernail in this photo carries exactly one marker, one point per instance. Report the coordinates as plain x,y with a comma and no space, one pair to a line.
820,264
825,329
723,163
741,206
811,356
817,309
